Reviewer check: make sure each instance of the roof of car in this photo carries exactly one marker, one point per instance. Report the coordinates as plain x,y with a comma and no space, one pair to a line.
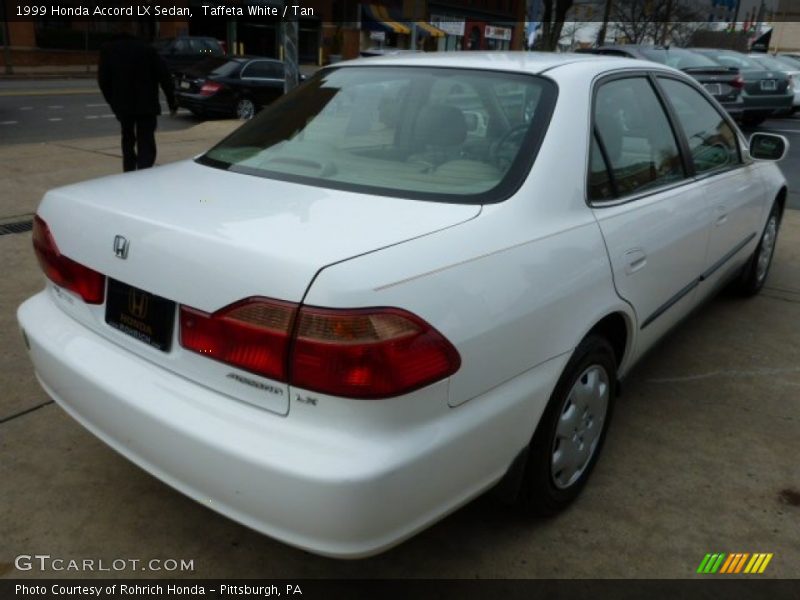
527,62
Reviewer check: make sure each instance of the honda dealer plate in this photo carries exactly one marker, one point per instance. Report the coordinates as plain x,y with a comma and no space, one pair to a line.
142,315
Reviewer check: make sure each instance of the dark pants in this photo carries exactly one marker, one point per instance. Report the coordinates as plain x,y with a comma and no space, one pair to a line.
138,141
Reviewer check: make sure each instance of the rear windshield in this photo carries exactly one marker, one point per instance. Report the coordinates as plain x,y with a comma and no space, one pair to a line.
450,135
734,59
677,58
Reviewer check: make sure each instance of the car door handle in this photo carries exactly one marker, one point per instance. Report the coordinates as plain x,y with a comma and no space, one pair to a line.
635,260
722,216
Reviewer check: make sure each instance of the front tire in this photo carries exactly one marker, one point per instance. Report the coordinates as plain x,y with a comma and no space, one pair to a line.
755,272
570,434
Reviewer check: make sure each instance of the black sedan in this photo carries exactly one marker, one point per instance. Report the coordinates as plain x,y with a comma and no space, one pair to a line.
723,82
239,85
766,92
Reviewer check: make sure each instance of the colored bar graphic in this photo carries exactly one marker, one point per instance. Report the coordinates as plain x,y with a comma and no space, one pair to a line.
754,563
727,564
717,562
741,562
703,563
765,563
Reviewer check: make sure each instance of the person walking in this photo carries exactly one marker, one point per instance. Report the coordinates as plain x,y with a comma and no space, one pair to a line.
129,75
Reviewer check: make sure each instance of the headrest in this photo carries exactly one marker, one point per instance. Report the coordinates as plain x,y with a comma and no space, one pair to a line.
440,126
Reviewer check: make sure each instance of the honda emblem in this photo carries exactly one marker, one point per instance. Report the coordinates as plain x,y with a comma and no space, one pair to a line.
121,246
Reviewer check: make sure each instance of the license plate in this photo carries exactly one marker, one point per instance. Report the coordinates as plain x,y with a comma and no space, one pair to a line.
185,85
714,89
142,315
769,85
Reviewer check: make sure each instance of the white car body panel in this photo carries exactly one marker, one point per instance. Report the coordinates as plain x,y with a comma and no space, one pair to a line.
514,286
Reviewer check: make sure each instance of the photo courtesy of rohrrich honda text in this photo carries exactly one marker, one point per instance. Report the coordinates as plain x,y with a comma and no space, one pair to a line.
298,291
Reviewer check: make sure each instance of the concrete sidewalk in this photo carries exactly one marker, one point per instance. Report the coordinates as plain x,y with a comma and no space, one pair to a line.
27,171
702,455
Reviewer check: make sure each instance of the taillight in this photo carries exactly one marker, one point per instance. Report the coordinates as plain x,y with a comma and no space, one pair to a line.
738,83
209,88
368,353
354,353
252,334
64,272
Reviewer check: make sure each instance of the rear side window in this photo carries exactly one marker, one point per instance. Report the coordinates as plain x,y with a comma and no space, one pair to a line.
637,140
712,142
262,69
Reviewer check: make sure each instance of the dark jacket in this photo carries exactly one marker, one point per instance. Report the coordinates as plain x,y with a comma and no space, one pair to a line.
129,74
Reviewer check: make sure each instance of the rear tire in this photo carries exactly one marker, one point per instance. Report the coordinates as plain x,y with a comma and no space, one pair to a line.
245,109
755,271
571,432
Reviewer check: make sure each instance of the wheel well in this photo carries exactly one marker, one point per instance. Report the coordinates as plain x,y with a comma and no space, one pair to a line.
780,200
613,328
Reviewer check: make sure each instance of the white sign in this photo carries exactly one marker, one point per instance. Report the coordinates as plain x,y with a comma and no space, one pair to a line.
497,33
377,36
450,25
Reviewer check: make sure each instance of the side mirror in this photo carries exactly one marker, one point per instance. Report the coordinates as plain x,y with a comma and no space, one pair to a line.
768,146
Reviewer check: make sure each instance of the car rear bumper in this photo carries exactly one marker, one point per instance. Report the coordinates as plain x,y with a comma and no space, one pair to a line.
200,104
768,104
314,486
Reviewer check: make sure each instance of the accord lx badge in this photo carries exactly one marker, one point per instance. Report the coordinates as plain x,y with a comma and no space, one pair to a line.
121,247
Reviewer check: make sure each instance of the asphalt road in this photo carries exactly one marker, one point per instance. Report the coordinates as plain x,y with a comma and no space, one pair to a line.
38,111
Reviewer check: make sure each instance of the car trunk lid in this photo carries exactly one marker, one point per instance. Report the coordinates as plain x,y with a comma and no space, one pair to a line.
207,238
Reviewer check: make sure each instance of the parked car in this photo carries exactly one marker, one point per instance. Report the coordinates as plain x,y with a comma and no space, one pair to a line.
362,309
792,71
724,83
239,86
182,52
766,92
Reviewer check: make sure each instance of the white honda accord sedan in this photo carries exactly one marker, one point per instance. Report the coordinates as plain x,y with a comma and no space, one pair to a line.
407,281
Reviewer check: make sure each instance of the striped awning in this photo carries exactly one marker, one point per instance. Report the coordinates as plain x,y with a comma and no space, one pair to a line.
377,18
426,29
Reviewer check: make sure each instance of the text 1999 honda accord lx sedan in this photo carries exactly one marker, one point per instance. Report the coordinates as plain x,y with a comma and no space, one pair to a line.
408,280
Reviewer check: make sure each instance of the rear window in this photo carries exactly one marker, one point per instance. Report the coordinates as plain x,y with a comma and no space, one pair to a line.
734,59
677,58
450,135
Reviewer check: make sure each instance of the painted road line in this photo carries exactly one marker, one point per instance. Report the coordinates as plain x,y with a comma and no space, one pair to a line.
100,105
56,106
106,116
26,108
92,117
8,122
55,119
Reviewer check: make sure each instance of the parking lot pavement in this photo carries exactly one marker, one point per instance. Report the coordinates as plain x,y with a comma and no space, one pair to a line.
701,457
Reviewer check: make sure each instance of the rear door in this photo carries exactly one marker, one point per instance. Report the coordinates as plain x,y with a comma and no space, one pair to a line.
263,80
652,215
